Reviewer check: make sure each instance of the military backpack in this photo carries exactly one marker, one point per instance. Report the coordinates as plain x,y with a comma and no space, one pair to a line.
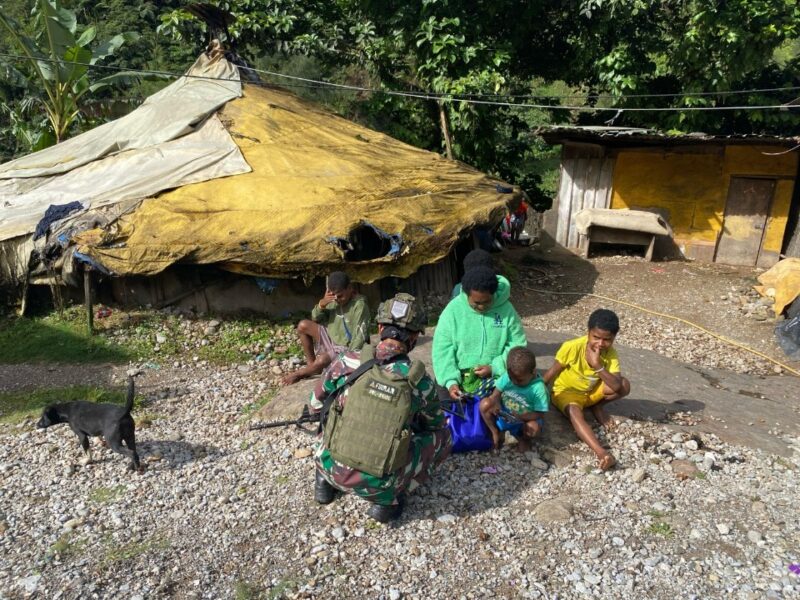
372,431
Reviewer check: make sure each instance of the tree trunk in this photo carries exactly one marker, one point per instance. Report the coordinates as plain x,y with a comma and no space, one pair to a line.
448,142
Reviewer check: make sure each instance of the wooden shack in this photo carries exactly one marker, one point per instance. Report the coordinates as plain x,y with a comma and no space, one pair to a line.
726,198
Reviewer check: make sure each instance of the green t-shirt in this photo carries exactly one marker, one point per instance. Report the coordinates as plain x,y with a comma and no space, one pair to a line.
519,400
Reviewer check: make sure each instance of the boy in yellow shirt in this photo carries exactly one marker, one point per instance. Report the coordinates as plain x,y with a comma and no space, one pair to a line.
586,374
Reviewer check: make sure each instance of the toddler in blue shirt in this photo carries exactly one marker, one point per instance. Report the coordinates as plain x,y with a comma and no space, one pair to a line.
519,401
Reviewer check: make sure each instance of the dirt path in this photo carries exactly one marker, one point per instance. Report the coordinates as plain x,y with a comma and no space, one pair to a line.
25,377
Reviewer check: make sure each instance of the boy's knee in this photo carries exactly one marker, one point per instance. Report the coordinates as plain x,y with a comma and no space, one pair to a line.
304,326
485,404
626,388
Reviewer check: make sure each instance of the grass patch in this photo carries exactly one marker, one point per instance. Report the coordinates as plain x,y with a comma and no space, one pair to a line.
660,528
281,588
245,590
143,334
700,475
56,339
65,546
281,480
253,407
107,494
249,333
131,550
656,514
15,407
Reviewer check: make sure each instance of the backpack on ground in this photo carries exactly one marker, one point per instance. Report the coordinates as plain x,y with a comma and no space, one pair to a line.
372,431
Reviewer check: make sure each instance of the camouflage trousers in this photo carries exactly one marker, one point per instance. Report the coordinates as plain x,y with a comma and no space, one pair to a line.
427,451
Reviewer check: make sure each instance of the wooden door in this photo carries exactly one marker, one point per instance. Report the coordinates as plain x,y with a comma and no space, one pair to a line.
746,211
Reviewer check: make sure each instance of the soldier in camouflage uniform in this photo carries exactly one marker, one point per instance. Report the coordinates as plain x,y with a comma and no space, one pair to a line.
430,440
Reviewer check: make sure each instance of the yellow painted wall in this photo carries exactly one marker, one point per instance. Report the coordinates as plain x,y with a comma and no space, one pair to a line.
691,187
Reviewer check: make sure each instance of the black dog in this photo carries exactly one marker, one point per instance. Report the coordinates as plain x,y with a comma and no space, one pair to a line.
113,422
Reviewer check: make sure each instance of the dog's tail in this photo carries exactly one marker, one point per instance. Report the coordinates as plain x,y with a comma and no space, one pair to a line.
129,399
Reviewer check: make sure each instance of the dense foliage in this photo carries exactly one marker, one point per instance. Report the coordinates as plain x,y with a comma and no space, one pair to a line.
596,54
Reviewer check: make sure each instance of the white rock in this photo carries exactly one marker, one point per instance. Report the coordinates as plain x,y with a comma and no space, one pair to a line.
691,445
394,594
695,534
30,583
709,460
538,463
617,541
638,475
754,536
723,528
447,518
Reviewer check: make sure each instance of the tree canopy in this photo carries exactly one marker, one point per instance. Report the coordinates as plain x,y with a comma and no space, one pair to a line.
468,65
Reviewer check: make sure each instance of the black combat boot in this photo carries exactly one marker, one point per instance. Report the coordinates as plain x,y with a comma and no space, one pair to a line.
323,491
383,514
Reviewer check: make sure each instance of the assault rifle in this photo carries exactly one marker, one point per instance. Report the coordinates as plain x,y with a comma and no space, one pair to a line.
306,417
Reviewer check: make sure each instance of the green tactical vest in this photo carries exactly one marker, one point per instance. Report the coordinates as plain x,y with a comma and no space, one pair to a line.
372,432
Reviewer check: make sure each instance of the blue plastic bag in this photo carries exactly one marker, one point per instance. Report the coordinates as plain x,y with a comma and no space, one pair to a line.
470,432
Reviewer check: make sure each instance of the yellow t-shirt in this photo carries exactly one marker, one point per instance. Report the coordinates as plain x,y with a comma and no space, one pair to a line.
577,375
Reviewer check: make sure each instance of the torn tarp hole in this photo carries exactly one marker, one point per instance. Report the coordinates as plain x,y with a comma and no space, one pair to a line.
367,242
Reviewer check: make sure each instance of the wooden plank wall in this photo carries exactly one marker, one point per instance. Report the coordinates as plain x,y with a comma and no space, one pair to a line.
585,183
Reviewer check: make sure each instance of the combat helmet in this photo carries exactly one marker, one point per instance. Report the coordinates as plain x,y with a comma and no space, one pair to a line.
402,310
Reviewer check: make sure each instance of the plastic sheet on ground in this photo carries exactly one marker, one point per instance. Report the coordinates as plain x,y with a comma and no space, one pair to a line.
781,282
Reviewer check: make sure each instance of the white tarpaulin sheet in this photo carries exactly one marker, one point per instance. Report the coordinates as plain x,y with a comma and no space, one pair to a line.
173,139
632,220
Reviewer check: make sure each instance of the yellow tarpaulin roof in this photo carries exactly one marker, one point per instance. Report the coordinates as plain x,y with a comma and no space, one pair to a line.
323,191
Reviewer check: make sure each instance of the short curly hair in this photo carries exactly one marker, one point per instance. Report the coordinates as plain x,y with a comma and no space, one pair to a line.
521,360
604,319
478,258
479,279
338,281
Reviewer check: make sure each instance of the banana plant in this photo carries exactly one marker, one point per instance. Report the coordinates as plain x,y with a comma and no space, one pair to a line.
58,60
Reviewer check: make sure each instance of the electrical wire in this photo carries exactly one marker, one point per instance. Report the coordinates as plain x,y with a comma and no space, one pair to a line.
673,317
417,95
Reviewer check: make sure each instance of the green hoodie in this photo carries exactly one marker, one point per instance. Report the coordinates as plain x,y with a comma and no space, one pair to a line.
465,338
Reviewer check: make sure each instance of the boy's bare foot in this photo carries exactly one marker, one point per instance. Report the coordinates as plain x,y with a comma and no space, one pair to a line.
606,462
497,440
606,421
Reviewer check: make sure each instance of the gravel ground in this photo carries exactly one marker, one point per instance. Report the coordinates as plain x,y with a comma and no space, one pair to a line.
225,512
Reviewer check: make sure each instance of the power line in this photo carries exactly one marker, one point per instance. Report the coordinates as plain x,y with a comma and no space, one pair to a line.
417,95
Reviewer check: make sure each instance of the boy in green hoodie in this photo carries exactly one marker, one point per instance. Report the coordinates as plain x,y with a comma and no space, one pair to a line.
475,332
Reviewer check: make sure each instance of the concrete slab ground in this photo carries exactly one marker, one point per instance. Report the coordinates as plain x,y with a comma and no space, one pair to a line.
758,412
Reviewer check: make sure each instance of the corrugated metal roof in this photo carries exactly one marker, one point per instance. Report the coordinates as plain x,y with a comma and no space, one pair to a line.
635,136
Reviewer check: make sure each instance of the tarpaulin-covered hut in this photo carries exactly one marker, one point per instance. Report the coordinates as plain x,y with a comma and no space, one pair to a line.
247,179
